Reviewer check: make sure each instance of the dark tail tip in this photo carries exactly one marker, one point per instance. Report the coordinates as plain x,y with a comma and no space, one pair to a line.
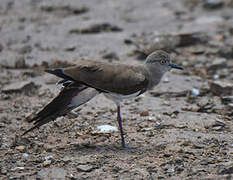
58,72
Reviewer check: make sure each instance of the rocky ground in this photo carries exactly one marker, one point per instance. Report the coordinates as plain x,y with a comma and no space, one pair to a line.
180,130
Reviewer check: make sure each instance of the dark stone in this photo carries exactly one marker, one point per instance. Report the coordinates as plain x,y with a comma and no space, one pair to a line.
97,28
212,4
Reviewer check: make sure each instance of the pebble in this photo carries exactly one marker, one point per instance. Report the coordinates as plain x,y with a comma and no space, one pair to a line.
218,63
157,123
106,128
144,113
46,163
50,157
96,28
165,80
17,168
215,76
225,170
212,4
192,108
20,147
70,48
227,99
111,56
48,160
20,63
170,170
221,87
25,155
20,86
195,92
85,168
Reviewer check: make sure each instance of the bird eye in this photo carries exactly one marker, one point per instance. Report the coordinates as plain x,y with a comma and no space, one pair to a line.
162,62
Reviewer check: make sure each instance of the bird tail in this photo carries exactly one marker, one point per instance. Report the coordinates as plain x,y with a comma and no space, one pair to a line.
70,97
58,73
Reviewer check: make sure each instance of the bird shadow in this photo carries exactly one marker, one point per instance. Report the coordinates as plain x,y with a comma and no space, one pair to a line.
98,148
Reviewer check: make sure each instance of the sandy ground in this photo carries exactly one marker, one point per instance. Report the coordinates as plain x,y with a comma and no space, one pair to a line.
180,130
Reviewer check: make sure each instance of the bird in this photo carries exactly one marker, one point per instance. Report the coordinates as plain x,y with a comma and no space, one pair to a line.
116,81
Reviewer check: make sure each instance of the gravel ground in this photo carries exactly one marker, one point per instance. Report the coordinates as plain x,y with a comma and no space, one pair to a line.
180,130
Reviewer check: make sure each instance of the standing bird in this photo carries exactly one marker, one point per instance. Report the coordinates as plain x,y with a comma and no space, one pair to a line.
116,81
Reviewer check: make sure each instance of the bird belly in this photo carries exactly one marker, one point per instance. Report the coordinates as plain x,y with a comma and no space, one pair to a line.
83,97
117,98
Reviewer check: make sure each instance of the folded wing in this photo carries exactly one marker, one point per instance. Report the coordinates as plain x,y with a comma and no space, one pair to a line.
71,96
116,78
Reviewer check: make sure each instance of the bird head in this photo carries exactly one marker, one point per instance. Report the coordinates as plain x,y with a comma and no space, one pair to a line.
160,61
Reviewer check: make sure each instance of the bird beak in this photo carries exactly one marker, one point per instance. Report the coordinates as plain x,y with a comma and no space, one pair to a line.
175,66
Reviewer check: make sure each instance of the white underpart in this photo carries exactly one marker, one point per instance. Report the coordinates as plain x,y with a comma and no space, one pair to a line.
83,97
117,98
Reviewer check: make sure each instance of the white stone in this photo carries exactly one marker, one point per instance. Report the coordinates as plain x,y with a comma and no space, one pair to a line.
106,128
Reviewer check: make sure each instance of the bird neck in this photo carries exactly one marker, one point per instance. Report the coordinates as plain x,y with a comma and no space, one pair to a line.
155,75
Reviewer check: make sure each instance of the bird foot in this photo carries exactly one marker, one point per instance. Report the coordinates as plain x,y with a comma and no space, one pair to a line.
127,147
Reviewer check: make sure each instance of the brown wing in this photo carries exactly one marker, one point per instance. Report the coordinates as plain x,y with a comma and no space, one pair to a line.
60,105
117,78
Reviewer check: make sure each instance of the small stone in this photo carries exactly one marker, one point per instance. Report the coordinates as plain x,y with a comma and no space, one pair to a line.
166,103
167,155
179,161
110,56
144,113
215,76
221,88
165,80
217,128
149,42
17,168
226,52
23,86
223,73
220,122
3,170
70,48
20,147
48,160
85,168
227,99
25,155
195,92
96,28
212,4
179,169
46,163
217,64
20,63
106,128
64,10
147,129
193,108
218,125
225,170
169,170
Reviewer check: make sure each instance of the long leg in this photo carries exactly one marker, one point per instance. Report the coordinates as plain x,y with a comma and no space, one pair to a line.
120,126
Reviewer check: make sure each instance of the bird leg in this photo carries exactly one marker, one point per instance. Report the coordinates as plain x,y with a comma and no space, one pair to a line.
120,126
